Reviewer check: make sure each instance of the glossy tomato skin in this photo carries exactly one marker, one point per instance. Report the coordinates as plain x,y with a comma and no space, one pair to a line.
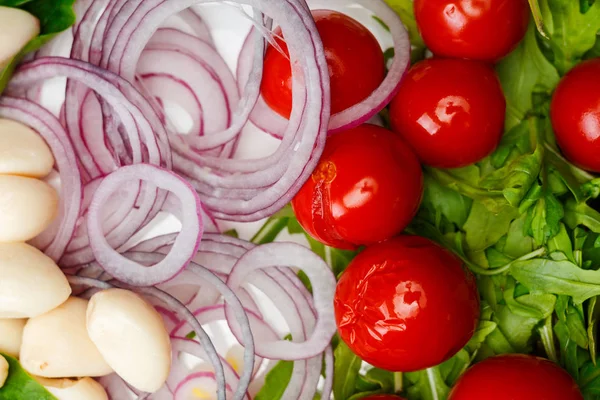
354,57
366,188
451,112
406,304
575,115
485,30
515,377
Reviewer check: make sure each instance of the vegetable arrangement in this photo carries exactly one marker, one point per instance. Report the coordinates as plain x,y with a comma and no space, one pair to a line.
522,219
485,160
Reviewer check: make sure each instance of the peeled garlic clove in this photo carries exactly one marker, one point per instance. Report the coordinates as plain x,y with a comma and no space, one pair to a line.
17,28
131,336
30,282
23,151
11,334
3,370
27,207
56,344
74,389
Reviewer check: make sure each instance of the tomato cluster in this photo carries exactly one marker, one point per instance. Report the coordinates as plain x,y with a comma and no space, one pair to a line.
450,109
405,303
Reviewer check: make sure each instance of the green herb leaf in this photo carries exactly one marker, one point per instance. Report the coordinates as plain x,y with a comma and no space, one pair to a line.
444,202
581,214
562,242
593,314
544,219
522,73
573,31
517,243
557,277
276,381
568,349
517,176
426,385
20,385
484,228
589,380
347,366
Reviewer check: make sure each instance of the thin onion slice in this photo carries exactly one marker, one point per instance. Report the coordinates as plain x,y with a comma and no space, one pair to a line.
323,281
184,247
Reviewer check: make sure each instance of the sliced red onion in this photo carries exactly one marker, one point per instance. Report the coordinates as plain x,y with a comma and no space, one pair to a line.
114,34
184,247
241,318
216,312
197,57
226,194
194,381
207,345
323,281
179,373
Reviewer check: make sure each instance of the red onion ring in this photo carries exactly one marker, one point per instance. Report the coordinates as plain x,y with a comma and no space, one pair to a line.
280,254
184,247
225,195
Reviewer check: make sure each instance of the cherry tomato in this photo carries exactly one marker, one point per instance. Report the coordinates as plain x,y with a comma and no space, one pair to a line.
575,115
406,304
451,112
383,397
354,57
484,30
515,377
366,188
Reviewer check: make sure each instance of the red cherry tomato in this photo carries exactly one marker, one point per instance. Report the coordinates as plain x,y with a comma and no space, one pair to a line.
484,30
575,115
354,57
383,397
515,377
451,112
366,188
406,304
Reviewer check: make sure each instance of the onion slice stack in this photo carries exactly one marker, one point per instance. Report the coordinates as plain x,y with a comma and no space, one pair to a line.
135,70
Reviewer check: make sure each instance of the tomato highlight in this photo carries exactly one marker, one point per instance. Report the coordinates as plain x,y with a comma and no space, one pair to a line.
366,188
354,57
406,304
451,112
575,115
485,30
